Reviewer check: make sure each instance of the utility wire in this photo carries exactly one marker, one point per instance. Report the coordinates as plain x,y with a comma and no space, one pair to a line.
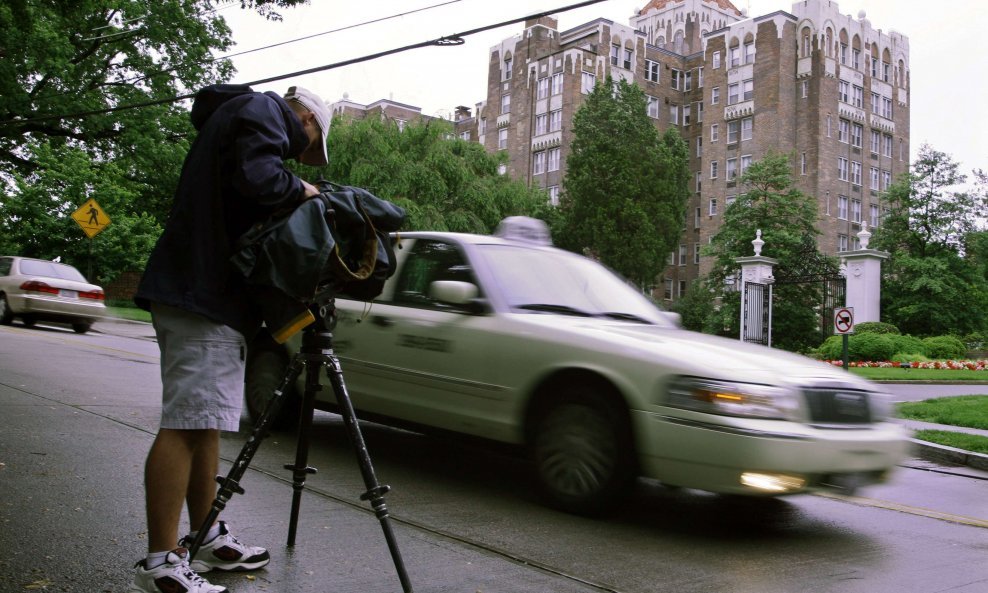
449,40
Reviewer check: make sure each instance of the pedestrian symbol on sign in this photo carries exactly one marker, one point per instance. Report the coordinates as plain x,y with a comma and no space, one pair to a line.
844,320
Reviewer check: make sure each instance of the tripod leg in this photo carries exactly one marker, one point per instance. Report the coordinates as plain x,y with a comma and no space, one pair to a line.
375,491
301,469
230,485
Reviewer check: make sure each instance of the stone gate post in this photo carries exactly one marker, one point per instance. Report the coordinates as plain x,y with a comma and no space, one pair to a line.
863,272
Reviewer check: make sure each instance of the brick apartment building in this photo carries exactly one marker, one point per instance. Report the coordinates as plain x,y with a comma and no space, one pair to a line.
829,89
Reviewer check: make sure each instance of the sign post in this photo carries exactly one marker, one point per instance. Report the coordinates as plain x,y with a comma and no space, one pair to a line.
844,326
91,217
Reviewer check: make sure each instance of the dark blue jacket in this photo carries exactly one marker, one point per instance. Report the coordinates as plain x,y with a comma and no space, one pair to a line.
233,177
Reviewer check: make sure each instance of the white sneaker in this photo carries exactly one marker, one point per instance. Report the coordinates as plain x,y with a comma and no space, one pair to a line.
225,552
174,576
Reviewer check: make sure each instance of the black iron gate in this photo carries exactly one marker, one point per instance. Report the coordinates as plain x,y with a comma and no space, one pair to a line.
824,272
756,313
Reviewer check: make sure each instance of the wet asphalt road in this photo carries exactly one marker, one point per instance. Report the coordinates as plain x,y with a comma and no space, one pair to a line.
78,413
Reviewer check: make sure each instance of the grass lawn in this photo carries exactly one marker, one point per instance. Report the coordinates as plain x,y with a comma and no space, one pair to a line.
131,313
936,375
958,440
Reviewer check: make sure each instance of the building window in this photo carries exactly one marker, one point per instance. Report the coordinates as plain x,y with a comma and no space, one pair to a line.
696,218
749,52
715,95
842,207
699,181
728,201
554,159
554,195
843,54
502,138
557,83
842,168
886,108
886,69
682,254
802,164
699,111
841,243
507,69
876,142
876,104
887,145
855,172
668,289
465,135
856,58
699,146
874,178
615,52
843,131
713,169
735,54
856,211
652,70
696,253
506,103
682,287
844,91
538,163
731,170
872,215
747,126
482,126
712,208
674,115
687,114
714,132
688,80
588,82
732,131
733,93
541,124
627,59
715,60
699,77
745,163
857,97
555,120
874,67
805,88
857,132
677,76
886,179
653,107
542,88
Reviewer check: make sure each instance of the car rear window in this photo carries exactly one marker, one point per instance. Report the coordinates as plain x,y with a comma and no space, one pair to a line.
31,267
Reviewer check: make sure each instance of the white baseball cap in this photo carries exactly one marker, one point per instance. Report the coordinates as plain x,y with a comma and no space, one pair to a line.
311,101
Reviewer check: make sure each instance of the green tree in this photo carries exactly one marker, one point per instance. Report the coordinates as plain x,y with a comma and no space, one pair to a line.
625,190
69,73
930,285
444,183
770,202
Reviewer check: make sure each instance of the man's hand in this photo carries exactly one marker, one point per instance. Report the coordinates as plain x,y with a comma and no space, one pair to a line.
310,190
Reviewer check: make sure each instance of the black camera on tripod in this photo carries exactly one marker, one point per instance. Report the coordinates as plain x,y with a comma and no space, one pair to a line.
336,244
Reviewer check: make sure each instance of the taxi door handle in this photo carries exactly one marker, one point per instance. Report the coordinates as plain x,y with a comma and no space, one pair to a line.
382,321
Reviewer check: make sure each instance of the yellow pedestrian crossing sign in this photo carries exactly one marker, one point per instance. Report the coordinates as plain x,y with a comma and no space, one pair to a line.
91,218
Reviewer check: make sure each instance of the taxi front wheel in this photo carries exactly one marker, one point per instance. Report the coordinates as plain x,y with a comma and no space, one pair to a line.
583,450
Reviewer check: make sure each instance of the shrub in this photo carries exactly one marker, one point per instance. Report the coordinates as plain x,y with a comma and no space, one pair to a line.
910,358
908,345
875,327
866,346
948,347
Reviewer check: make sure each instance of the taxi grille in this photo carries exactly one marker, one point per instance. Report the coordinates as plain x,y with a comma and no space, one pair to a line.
838,406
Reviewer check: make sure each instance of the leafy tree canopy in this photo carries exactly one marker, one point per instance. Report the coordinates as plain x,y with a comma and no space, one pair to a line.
625,190
444,183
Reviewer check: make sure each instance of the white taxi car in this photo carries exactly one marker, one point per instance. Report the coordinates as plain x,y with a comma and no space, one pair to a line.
515,341
37,289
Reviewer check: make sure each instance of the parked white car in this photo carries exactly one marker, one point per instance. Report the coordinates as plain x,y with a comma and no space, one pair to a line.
37,289
515,341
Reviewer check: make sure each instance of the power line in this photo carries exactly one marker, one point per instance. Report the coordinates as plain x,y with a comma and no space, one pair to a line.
448,40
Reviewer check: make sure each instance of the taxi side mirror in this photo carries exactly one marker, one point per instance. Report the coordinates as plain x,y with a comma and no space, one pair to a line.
457,293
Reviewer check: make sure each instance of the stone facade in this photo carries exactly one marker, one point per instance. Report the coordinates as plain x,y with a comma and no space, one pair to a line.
828,89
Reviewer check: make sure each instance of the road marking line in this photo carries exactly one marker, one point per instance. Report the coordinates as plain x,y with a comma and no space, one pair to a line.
905,508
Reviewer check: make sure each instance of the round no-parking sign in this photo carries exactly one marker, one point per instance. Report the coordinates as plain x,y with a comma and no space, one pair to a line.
844,320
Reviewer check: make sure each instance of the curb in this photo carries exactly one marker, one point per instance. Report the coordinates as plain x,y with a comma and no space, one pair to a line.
944,454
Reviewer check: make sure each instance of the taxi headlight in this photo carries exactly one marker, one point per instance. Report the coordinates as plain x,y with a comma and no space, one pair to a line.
728,398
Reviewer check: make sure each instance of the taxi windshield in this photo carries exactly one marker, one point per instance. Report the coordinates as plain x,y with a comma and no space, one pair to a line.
555,281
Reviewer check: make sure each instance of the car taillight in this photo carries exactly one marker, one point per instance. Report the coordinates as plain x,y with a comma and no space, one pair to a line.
38,286
93,294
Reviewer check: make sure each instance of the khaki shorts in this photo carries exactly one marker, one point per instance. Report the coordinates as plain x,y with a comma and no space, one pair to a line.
202,370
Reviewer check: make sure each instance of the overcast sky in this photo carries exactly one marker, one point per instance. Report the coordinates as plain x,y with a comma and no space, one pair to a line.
949,87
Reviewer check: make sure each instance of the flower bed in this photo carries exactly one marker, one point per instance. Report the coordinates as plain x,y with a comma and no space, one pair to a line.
970,365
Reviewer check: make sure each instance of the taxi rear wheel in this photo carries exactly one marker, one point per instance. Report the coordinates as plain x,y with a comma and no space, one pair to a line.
583,450
6,315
